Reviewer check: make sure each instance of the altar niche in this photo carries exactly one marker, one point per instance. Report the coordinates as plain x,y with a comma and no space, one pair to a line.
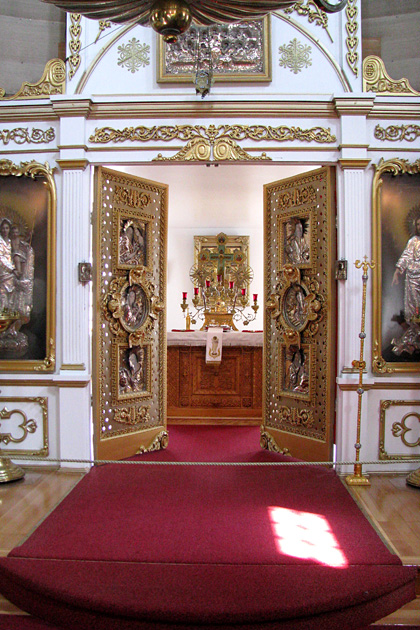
229,392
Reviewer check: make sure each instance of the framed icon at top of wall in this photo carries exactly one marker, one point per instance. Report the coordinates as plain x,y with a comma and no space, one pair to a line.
237,52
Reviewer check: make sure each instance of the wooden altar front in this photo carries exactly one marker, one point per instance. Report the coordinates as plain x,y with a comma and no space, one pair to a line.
227,393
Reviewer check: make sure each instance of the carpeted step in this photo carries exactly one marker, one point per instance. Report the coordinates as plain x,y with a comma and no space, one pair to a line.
140,596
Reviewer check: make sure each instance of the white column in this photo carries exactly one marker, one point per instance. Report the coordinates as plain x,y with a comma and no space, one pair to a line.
75,247
354,242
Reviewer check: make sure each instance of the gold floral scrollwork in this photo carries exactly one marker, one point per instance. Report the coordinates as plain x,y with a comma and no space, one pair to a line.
161,441
132,415
397,133
376,79
312,12
20,135
268,443
52,82
75,43
132,307
352,41
27,426
303,417
400,429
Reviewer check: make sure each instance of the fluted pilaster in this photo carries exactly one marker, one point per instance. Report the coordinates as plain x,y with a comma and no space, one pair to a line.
74,248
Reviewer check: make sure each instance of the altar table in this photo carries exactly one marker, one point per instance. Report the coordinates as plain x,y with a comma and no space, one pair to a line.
227,393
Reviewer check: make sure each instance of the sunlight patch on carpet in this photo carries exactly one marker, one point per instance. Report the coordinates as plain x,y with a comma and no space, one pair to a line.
307,536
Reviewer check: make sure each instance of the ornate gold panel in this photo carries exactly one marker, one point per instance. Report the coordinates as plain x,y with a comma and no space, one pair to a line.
52,82
130,327
376,79
22,424
300,313
406,429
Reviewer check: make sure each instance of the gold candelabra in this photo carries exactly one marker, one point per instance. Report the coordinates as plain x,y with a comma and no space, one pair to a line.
357,478
220,303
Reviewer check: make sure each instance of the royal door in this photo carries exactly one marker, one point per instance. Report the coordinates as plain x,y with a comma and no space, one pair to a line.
129,375
300,315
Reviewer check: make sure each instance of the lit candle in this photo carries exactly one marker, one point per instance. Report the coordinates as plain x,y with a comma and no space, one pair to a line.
184,295
231,283
243,291
207,283
255,296
196,290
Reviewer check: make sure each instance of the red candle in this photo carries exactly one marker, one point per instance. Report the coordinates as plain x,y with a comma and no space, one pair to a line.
255,296
184,295
243,291
207,283
231,283
196,290
219,277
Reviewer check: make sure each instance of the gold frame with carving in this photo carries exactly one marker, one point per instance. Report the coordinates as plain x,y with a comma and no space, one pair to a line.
384,405
304,215
134,217
395,197
306,349
232,242
43,403
27,182
163,76
117,350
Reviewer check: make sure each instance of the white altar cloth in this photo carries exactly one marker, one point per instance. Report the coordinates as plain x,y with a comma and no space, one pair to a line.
199,338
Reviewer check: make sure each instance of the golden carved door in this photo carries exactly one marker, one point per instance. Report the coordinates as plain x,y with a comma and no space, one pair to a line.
300,315
129,375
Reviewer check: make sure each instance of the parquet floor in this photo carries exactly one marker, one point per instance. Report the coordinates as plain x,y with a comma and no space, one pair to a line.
392,506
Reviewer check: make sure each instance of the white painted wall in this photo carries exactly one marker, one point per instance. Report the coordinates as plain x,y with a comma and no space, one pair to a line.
208,200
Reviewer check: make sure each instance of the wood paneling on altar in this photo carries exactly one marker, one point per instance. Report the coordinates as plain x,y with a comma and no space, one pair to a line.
230,393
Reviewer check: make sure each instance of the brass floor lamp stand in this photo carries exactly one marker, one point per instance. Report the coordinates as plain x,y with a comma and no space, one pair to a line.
357,478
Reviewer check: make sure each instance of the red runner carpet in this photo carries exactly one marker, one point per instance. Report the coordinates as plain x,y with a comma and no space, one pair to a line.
182,547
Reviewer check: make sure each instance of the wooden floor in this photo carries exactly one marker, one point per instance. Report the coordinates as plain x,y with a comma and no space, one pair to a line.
392,506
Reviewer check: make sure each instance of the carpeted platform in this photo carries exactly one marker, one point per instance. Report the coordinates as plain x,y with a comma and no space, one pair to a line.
181,547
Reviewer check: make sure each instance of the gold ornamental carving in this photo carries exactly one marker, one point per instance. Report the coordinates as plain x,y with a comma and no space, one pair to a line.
268,443
75,31
313,12
398,429
206,143
376,79
26,426
21,135
296,306
132,307
52,82
352,41
132,415
160,442
167,133
397,133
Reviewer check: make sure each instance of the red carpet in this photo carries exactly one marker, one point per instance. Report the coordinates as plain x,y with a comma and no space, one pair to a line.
188,546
